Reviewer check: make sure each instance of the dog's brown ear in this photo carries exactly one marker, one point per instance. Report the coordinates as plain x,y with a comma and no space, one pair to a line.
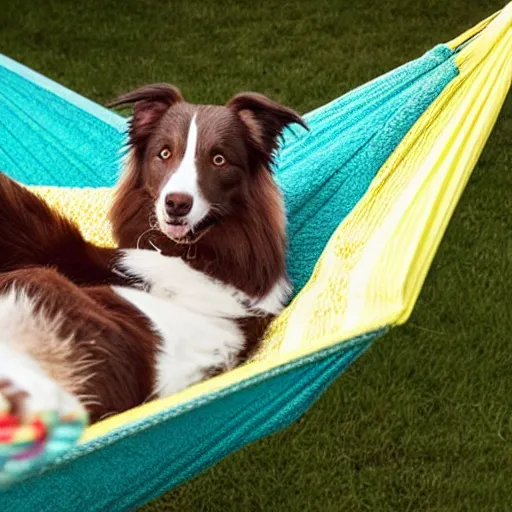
150,103
265,120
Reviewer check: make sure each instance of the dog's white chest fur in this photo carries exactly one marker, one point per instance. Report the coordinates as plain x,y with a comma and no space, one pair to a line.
194,316
192,340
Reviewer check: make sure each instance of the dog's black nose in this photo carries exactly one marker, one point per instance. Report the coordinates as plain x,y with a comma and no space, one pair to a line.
178,205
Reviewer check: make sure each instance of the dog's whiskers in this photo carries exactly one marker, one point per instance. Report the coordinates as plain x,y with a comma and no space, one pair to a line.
144,233
218,208
157,249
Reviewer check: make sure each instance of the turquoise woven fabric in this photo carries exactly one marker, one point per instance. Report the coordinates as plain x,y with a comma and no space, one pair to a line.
324,173
51,136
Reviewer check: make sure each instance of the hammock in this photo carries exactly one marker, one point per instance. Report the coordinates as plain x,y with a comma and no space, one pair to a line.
369,192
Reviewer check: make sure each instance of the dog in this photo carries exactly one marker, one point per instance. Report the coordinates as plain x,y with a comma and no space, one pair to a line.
198,273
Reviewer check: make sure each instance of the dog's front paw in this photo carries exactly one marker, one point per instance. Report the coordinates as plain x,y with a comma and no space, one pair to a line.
161,275
38,419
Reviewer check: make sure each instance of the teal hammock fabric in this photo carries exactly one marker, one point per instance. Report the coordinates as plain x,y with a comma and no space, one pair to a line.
51,136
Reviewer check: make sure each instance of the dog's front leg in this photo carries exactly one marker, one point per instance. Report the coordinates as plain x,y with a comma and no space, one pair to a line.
168,276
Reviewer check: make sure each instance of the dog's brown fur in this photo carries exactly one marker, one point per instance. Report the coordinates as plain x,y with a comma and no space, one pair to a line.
110,353
246,249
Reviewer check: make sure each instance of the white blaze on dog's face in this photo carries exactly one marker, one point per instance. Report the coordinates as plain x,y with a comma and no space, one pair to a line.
181,205
198,161
196,166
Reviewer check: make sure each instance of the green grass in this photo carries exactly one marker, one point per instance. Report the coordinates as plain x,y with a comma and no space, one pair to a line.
424,420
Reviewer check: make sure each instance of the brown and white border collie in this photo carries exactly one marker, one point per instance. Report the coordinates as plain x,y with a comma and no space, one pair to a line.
199,273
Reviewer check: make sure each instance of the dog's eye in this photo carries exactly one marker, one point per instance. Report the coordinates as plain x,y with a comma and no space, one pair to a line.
219,160
164,154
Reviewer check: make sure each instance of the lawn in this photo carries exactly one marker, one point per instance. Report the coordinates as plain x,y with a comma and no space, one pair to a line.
423,421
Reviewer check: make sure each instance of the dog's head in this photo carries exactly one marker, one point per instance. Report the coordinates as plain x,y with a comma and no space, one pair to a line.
198,162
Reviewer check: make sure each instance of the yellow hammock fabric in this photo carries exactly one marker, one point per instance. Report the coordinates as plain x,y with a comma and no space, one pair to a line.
372,270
